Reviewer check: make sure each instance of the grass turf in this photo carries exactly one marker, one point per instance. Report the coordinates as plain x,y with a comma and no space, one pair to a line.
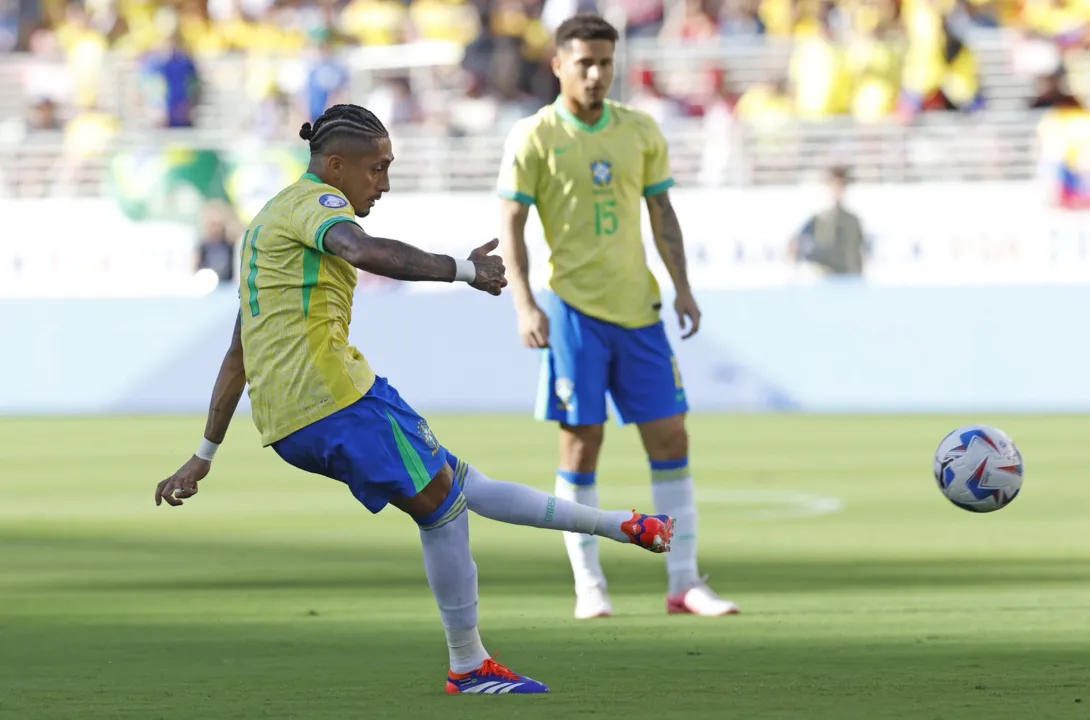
272,594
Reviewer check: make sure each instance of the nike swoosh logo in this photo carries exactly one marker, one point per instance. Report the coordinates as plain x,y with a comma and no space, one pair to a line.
561,151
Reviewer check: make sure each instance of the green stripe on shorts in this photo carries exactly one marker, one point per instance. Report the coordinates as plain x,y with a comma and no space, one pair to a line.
413,462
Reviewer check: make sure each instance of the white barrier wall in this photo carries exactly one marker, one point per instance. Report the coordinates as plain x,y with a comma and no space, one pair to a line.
834,347
945,234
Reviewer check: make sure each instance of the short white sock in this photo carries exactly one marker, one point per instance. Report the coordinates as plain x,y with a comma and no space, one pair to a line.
676,497
582,548
522,505
452,575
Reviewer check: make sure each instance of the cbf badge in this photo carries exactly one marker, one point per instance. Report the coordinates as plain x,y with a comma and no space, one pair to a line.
429,437
333,202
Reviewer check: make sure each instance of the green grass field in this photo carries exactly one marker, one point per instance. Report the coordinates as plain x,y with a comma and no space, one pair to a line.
272,594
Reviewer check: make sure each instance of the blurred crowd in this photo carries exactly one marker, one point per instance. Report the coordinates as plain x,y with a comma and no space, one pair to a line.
871,59
88,68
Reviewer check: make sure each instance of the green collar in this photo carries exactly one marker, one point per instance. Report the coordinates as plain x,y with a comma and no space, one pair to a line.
313,178
567,117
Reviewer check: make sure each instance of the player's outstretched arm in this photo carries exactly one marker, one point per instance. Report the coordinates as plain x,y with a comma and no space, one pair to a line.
671,246
533,323
401,261
230,383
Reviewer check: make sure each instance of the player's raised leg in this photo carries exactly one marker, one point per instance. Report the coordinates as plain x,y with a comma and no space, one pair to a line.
386,453
647,388
523,505
572,393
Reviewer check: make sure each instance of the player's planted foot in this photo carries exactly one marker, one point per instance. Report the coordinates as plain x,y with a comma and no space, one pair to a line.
491,678
700,600
651,532
592,603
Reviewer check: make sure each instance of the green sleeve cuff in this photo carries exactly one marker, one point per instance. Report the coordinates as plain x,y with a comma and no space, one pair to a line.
319,237
658,188
516,196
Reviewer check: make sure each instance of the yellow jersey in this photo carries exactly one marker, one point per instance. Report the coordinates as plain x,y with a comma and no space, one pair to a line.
296,303
588,183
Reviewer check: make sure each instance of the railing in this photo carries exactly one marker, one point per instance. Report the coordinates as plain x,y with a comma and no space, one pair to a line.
991,146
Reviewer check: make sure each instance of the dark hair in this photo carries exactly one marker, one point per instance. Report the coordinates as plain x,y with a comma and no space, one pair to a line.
840,173
342,121
586,27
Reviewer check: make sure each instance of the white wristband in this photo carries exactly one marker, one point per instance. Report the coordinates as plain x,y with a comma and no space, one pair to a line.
207,450
464,271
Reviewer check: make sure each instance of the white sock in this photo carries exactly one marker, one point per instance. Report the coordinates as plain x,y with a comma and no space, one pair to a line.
672,490
522,505
452,575
582,548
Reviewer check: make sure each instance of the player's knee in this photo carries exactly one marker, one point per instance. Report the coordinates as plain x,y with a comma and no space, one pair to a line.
580,446
666,439
437,495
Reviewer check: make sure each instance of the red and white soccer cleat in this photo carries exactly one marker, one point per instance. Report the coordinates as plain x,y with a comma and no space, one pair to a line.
651,532
700,600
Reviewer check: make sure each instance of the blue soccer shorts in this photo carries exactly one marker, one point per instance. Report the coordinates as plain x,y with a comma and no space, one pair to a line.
588,359
378,446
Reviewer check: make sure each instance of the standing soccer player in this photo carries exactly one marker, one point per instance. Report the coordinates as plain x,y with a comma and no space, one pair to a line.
587,163
321,407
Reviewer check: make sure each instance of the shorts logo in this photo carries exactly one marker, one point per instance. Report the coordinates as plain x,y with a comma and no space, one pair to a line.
425,432
564,389
333,202
678,385
601,172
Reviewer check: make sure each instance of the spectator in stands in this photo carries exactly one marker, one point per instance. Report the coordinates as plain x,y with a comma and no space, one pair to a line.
646,95
644,18
766,105
376,22
689,20
874,68
832,240
940,73
819,74
327,80
171,84
9,25
740,18
1053,92
393,101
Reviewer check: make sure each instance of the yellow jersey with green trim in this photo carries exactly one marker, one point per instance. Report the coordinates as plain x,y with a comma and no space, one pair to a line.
588,183
296,305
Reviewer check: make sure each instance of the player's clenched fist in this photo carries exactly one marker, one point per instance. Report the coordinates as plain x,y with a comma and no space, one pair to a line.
491,274
182,484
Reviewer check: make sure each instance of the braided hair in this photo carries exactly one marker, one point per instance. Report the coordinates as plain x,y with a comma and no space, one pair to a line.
341,121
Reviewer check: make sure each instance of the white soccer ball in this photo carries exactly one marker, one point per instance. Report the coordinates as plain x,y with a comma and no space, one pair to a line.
978,468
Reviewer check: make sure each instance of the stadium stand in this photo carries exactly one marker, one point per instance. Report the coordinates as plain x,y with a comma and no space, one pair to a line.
748,91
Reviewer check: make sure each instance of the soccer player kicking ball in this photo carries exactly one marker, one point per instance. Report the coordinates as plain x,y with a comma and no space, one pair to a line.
587,162
321,407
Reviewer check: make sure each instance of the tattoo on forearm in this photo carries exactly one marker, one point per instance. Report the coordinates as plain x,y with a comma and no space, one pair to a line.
671,243
389,258
400,261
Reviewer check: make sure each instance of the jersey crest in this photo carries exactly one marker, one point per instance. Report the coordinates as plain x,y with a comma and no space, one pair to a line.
601,172
333,202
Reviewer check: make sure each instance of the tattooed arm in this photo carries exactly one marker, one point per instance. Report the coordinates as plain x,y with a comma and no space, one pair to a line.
671,246
401,261
389,258
668,238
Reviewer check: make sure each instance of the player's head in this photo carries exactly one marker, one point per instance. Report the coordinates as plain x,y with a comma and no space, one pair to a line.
584,59
350,149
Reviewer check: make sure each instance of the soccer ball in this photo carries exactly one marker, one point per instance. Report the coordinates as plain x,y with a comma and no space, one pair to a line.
978,468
